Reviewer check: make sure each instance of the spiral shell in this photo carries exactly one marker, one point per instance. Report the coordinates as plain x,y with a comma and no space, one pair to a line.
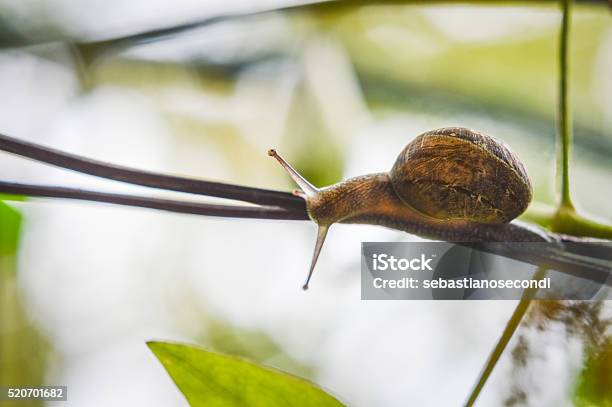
458,173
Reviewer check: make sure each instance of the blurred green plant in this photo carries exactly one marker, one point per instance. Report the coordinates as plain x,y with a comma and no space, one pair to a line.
23,350
10,226
594,385
212,379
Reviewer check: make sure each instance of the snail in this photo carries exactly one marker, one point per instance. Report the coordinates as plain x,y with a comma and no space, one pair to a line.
449,184
452,184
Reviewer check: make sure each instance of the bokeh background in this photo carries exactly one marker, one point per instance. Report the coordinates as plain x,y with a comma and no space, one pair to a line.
339,89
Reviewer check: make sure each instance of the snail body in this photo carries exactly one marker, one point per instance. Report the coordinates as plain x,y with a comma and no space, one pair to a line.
452,184
372,200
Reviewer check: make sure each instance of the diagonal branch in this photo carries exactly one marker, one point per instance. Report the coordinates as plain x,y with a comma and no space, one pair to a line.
150,179
194,208
511,327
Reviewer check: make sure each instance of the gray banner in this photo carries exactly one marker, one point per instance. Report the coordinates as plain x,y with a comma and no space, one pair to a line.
484,271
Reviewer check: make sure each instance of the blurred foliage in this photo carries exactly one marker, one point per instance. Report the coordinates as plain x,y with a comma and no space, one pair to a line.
313,149
396,49
252,345
403,49
318,157
583,320
23,350
10,226
210,379
406,63
594,385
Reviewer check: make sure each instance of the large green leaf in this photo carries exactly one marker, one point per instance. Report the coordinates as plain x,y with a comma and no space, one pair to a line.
212,379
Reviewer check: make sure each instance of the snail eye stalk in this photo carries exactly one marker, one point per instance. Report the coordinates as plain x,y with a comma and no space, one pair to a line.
321,235
307,191
307,188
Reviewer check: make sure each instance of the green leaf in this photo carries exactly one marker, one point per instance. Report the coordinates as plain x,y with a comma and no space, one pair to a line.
212,379
10,225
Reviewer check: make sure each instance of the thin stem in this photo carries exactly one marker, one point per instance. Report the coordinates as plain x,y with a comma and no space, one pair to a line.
565,129
502,343
149,179
195,208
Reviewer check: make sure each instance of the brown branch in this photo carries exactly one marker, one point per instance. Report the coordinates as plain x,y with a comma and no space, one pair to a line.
194,208
150,179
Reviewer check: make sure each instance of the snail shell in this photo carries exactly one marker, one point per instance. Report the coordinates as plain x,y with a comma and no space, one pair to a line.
458,173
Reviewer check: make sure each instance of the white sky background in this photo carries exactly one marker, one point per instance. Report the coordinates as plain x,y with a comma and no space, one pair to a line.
102,280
